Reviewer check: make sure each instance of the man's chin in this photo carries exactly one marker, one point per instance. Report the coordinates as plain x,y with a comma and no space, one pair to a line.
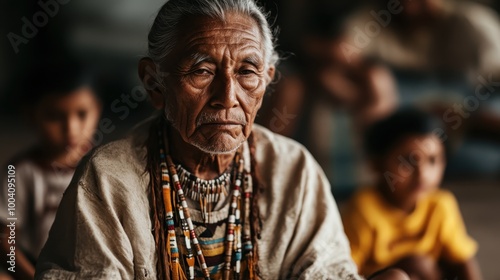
219,146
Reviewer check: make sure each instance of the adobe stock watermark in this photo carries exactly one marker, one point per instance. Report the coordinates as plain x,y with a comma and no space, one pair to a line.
30,27
459,111
281,119
362,37
408,163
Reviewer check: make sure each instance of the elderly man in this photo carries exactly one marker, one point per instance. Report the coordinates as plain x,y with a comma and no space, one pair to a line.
200,192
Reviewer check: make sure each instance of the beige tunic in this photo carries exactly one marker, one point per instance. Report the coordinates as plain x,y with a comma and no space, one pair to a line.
103,226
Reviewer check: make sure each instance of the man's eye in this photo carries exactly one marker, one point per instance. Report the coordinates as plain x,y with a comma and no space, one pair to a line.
247,72
202,72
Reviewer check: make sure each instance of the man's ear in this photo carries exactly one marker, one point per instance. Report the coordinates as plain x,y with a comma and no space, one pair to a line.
147,70
270,74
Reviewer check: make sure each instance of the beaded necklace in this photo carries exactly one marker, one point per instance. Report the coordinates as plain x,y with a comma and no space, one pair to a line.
237,226
206,192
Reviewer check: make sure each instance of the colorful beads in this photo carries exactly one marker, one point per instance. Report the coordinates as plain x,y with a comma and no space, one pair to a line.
208,192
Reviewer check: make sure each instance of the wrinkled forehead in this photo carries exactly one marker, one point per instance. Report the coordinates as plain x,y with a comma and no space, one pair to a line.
204,34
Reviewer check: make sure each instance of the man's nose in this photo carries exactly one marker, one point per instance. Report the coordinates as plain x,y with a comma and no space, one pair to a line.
224,92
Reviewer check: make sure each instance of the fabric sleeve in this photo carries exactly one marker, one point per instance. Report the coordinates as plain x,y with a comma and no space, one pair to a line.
458,246
319,238
88,238
359,234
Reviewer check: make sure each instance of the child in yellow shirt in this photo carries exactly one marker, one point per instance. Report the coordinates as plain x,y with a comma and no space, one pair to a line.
406,221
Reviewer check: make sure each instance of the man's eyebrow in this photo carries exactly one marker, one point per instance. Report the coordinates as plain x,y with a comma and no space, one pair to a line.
255,60
197,58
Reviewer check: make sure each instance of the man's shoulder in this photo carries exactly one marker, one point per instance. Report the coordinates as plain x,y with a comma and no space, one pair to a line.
284,162
114,150
278,145
114,169
129,150
118,166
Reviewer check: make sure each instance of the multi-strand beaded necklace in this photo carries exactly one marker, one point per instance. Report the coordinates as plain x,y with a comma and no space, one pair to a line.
207,192
237,241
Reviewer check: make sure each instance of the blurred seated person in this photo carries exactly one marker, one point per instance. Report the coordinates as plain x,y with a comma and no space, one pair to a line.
405,220
63,110
428,35
324,99
320,74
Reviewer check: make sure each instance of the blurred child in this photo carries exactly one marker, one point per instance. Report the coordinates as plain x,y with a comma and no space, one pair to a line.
64,111
405,220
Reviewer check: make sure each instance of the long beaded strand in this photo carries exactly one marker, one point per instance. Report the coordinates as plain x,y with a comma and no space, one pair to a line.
187,215
187,242
231,223
172,249
247,238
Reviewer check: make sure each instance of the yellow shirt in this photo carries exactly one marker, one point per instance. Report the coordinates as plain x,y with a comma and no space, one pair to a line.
381,234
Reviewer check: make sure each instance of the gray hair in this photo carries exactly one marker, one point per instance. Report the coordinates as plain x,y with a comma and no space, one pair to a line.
162,36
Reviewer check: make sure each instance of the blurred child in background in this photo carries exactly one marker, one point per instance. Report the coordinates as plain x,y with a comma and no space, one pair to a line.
64,111
405,220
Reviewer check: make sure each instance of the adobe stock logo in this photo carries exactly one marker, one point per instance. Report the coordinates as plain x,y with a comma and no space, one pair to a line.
29,30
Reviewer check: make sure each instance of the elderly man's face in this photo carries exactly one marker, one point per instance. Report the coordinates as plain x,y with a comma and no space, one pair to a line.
217,81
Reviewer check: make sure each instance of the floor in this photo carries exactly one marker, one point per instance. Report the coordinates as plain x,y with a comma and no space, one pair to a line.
480,205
